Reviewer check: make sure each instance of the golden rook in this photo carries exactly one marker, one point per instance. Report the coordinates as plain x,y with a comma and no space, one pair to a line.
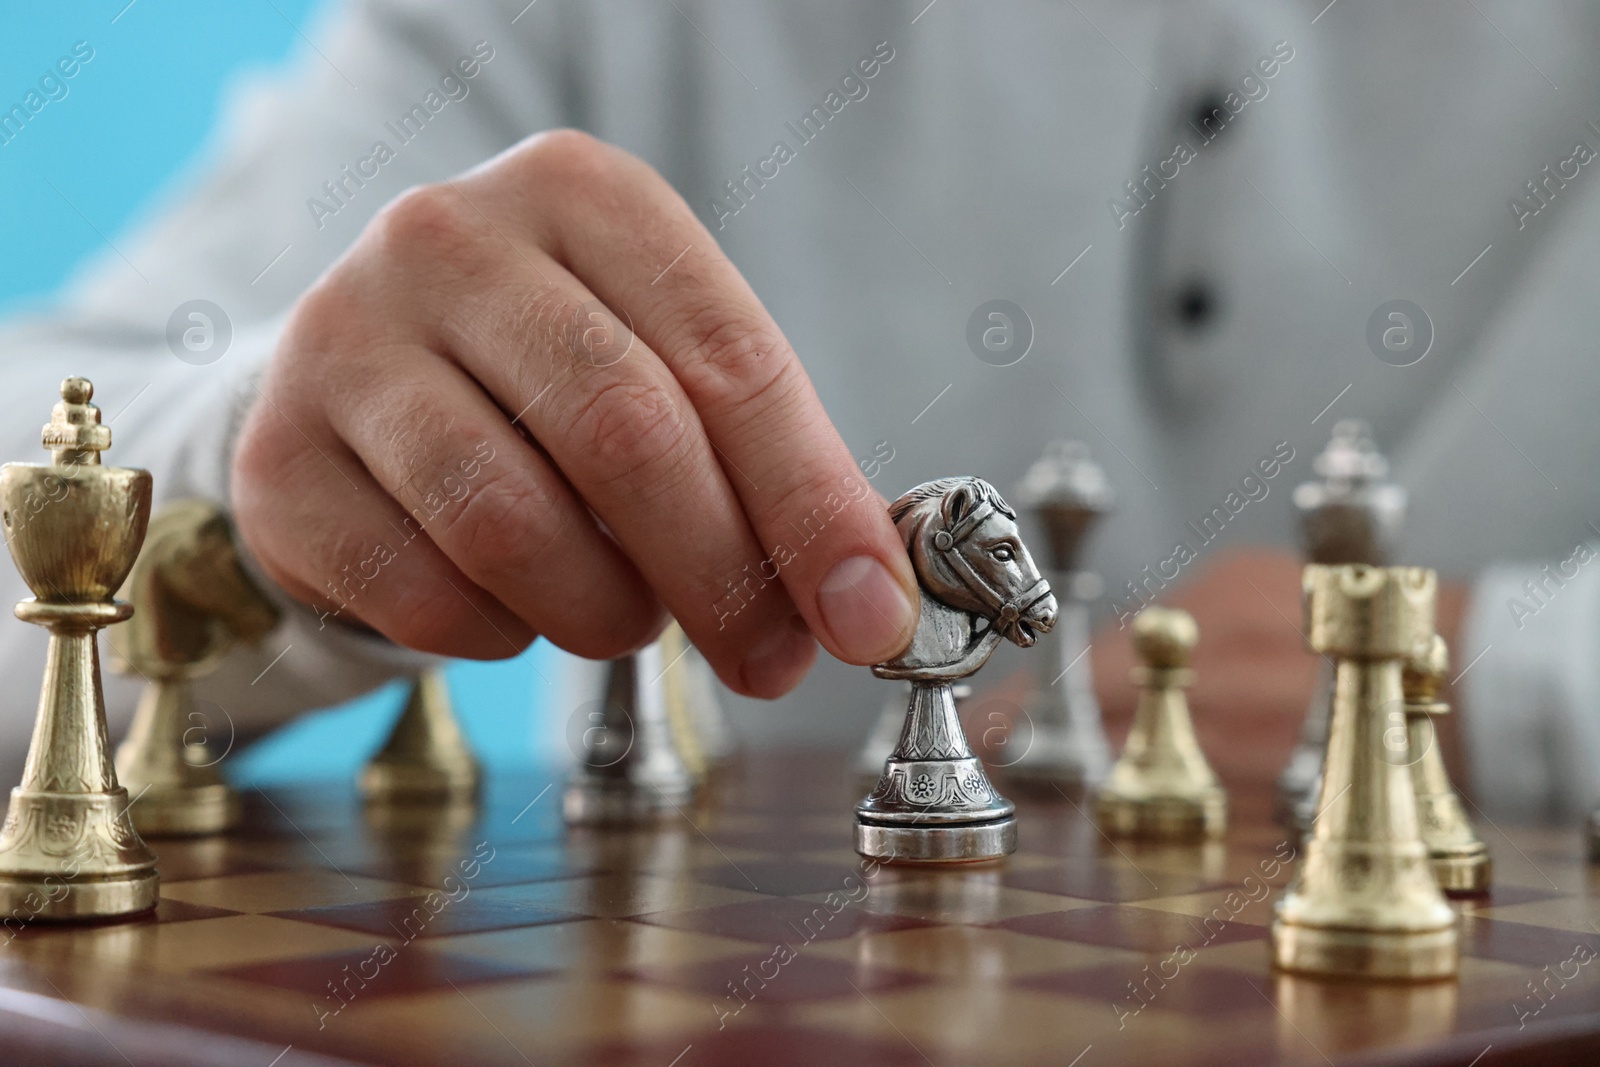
1364,903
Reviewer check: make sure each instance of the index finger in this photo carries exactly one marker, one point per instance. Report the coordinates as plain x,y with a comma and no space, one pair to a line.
826,533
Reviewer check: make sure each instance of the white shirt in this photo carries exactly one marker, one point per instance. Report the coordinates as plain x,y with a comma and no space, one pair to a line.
1185,331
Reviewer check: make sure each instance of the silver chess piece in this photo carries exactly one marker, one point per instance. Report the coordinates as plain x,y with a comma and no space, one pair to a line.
1350,514
933,802
1068,749
631,771
891,723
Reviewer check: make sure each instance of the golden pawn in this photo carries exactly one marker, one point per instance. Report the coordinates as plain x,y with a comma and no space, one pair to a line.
192,602
426,757
68,850
1460,859
1364,903
683,691
1162,788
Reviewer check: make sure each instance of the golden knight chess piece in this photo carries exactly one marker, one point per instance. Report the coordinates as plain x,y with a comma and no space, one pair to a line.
68,849
426,758
192,602
979,586
1162,788
1460,858
631,771
1065,748
1364,902
1350,514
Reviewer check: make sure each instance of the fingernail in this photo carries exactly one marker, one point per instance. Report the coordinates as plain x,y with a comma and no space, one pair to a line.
779,660
866,612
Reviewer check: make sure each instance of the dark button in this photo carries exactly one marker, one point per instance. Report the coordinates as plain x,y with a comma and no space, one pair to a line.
1210,115
1194,304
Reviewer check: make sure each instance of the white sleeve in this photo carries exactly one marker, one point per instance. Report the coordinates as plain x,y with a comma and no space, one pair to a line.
242,234
1531,694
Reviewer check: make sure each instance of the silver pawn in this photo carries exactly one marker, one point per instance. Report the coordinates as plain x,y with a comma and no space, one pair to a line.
1349,515
631,772
1067,749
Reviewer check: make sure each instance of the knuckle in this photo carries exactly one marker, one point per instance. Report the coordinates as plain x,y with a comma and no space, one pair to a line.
568,159
429,618
505,525
424,221
814,500
320,325
732,363
625,424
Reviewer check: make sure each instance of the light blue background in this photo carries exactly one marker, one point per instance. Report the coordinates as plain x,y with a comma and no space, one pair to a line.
135,116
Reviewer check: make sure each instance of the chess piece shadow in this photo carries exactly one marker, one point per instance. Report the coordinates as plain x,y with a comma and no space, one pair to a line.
193,602
979,586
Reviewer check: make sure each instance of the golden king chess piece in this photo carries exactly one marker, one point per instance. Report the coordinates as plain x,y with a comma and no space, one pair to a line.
192,601
68,849
1460,859
426,757
1364,903
1162,788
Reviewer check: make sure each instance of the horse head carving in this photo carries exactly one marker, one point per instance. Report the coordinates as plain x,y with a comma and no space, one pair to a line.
979,583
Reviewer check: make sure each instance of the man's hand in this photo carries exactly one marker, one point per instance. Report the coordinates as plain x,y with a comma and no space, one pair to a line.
538,399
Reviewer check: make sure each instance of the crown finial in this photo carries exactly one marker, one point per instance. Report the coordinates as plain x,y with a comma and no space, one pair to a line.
74,433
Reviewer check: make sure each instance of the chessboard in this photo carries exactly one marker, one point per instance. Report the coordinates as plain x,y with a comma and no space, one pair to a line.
748,932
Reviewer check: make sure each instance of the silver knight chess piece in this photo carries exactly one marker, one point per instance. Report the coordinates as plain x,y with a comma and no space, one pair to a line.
933,802
631,771
886,731
1350,514
1067,749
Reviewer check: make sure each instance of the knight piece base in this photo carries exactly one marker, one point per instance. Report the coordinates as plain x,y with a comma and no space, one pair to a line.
178,811
1367,955
946,843
40,896
598,802
1195,818
1464,875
